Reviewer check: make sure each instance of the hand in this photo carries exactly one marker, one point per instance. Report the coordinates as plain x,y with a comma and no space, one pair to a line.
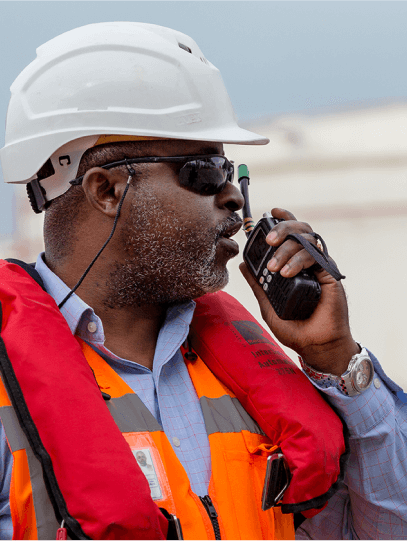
324,340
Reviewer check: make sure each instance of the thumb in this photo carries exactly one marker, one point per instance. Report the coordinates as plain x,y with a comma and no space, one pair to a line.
248,276
260,295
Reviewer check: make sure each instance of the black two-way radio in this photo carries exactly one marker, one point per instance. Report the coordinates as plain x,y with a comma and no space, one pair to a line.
291,298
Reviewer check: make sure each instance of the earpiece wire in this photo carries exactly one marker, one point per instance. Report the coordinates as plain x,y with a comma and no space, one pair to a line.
131,173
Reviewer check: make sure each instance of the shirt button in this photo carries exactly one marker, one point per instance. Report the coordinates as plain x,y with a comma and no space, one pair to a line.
176,442
92,327
376,383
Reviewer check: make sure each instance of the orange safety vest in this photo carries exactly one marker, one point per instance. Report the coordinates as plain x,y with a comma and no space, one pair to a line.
63,436
239,451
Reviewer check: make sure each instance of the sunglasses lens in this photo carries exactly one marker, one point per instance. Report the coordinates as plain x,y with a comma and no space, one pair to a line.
207,176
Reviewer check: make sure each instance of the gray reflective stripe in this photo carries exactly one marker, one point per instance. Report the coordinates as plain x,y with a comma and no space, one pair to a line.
47,524
131,415
15,435
226,414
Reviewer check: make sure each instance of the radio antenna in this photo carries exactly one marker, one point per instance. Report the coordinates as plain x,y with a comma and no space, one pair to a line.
244,181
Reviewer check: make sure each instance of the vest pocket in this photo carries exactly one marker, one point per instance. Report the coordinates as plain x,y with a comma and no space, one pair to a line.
245,470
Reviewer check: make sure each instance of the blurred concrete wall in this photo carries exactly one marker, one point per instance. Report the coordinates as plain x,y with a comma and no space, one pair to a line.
25,242
345,173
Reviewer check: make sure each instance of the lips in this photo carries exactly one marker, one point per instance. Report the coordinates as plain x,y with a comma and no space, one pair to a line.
229,245
231,230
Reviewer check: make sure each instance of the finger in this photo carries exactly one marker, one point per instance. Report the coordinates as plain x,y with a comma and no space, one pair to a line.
282,214
280,231
291,253
301,260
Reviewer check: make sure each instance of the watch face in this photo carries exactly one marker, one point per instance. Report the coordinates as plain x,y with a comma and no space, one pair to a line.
364,374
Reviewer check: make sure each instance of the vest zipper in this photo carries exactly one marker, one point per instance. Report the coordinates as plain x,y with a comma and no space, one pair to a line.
213,515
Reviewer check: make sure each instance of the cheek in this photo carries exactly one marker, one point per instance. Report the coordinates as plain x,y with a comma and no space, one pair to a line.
164,210
190,210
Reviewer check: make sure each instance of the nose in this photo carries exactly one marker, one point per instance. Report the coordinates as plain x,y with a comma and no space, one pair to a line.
230,198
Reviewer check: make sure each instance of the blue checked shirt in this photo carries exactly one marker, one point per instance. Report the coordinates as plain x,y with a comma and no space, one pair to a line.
373,502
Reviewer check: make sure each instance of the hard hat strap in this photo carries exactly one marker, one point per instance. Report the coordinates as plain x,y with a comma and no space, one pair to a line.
36,195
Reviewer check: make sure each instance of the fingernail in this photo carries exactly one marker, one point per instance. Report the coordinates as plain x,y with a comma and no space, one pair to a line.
285,269
271,237
272,264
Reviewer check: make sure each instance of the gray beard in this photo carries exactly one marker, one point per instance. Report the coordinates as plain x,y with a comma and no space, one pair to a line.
168,261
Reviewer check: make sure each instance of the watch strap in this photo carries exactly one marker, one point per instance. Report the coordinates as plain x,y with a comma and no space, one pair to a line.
343,382
322,378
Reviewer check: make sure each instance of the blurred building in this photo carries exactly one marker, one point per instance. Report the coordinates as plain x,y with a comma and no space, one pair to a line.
344,172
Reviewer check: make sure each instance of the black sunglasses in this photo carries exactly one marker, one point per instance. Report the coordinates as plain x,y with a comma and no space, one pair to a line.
206,175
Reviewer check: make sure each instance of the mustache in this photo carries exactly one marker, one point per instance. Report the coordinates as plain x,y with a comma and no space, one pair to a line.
230,221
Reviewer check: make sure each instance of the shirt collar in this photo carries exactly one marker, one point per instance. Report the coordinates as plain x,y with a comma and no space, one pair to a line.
75,310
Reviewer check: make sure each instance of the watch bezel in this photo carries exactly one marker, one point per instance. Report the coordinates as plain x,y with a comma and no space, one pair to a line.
350,385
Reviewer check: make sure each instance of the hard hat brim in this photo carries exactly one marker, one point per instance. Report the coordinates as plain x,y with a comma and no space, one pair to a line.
18,171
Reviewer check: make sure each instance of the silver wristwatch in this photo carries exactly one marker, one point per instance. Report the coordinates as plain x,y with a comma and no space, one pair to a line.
356,379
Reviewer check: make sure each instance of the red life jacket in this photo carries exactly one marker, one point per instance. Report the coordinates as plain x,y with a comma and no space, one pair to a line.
275,392
53,392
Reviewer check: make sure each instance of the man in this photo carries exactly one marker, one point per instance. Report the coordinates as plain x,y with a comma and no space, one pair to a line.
119,128
142,460
150,474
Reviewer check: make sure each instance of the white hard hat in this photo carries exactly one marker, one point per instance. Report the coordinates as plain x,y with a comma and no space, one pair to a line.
121,78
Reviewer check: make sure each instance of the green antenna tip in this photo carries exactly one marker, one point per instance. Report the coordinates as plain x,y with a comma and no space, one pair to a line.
243,171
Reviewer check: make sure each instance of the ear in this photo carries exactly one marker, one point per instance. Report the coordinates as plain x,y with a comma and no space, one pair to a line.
104,189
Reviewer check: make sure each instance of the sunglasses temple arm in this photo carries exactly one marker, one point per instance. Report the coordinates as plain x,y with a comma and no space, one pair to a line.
244,181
